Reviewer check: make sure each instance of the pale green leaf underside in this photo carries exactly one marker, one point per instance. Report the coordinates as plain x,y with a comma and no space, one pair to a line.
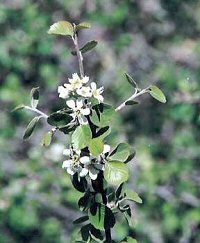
61,28
96,146
81,137
116,172
157,94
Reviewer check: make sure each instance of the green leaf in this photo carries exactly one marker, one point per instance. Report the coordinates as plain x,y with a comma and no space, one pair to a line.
89,46
59,119
133,196
81,220
67,128
19,107
31,126
61,28
129,240
129,217
46,141
131,156
102,115
157,94
116,172
85,232
121,152
103,132
119,191
35,94
131,80
81,137
96,146
101,217
79,183
131,102
83,25
85,202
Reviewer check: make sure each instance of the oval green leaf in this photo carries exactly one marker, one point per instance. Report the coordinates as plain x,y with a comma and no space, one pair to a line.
46,141
133,196
157,94
96,146
116,172
120,153
101,217
83,25
81,137
31,126
61,28
89,46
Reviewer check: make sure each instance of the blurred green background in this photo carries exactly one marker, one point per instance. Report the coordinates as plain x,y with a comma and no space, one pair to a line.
157,41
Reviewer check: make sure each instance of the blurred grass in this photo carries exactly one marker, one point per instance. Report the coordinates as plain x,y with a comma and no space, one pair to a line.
157,42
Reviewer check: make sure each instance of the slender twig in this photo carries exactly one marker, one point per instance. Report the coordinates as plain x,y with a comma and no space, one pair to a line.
79,55
37,111
136,94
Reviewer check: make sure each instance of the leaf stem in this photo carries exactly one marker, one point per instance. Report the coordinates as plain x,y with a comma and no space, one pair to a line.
37,111
136,94
79,55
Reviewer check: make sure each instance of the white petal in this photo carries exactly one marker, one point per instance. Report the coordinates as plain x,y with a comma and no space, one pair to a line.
106,148
83,172
93,86
79,104
82,120
70,171
85,111
66,163
85,79
85,160
71,104
66,152
99,97
68,87
75,76
63,92
93,173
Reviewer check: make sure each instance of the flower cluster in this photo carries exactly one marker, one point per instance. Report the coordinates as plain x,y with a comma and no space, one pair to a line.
76,86
84,165
76,89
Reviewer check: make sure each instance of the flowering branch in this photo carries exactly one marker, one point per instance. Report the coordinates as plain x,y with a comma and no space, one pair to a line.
90,160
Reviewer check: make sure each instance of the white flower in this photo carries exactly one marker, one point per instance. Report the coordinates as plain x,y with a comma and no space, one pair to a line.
74,163
89,168
84,91
76,82
97,92
63,92
79,112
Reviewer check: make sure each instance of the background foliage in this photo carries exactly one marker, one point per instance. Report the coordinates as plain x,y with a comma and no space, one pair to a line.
157,42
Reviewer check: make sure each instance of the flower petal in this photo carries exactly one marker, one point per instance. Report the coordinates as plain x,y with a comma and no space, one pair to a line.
66,164
70,171
83,172
66,152
71,104
93,86
106,148
85,160
93,173
85,111
85,79
79,104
